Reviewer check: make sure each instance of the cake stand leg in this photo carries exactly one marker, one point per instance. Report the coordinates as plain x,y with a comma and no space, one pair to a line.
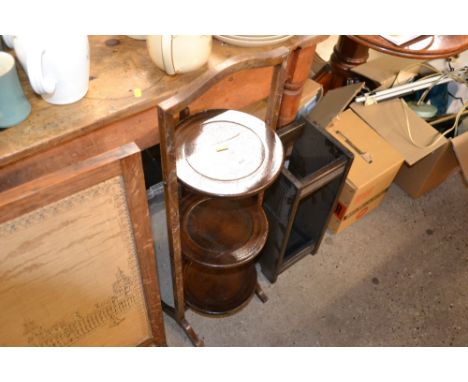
182,322
260,293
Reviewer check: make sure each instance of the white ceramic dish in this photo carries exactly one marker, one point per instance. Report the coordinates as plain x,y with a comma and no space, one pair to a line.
248,41
137,37
179,53
255,38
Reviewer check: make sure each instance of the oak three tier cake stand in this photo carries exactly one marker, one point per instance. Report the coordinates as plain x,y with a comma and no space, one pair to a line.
220,253
225,158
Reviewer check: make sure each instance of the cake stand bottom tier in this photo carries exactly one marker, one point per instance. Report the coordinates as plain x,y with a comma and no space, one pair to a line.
218,291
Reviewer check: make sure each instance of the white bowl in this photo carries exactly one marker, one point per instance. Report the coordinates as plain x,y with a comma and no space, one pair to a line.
253,41
256,38
137,37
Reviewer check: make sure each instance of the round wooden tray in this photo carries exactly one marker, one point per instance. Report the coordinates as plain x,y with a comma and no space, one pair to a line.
227,153
222,233
219,292
423,47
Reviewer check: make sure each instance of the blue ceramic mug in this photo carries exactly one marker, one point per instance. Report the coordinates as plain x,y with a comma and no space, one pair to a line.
14,106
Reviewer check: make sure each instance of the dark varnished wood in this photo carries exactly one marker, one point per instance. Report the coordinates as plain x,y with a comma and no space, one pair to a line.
221,232
217,291
423,47
227,153
220,240
221,237
168,112
171,198
346,54
353,50
124,161
186,327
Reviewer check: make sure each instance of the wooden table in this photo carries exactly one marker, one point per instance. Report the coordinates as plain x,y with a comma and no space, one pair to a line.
103,118
112,115
351,51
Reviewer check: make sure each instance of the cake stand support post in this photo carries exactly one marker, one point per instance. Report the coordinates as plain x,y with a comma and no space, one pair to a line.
171,197
183,323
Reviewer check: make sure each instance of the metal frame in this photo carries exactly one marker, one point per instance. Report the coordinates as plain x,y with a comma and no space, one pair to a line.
272,263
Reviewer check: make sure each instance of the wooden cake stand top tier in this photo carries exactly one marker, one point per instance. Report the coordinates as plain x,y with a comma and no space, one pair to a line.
222,233
227,153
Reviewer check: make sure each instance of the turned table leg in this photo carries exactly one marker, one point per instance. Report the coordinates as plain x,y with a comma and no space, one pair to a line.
347,54
298,70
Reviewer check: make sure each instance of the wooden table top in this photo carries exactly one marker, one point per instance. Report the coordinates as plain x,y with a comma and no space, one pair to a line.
116,71
424,47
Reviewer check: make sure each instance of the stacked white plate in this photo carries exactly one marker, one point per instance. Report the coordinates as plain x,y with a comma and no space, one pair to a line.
254,40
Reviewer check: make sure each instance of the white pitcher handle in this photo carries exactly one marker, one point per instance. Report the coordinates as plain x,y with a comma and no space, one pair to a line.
39,83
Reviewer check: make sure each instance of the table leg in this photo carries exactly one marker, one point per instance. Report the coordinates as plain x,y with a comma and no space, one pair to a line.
346,55
298,71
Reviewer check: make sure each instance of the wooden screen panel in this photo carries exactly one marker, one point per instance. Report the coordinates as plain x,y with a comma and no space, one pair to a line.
70,270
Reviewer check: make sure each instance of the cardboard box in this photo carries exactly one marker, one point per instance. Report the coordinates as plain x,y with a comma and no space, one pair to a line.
371,173
424,168
332,104
384,70
428,173
326,109
460,146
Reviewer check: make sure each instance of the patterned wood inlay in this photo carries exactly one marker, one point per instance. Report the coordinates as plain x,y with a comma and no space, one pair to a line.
69,273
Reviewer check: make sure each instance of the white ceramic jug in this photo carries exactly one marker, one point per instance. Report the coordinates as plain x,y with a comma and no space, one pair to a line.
179,53
58,67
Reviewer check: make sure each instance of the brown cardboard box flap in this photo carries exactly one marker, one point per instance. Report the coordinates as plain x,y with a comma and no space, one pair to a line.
354,133
388,119
385,69
333,103
428,173
460,146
